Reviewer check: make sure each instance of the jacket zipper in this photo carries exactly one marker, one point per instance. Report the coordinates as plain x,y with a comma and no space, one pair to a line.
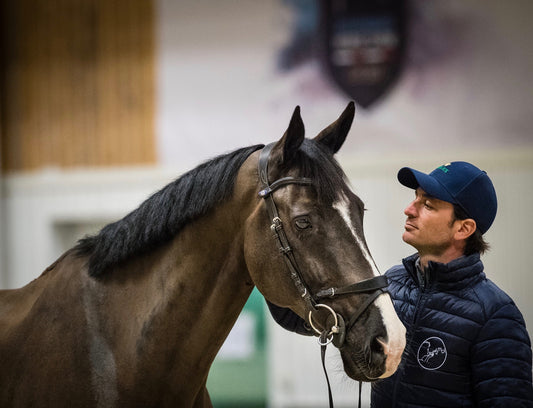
414,325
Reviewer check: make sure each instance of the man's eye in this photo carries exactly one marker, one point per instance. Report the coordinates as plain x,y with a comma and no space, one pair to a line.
303,223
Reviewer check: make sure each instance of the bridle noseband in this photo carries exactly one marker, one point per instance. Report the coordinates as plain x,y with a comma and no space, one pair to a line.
375,286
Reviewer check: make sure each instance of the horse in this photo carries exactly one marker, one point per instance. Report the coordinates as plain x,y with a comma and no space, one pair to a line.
134,315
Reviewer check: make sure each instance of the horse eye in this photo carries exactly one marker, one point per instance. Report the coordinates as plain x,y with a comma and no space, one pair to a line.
303,223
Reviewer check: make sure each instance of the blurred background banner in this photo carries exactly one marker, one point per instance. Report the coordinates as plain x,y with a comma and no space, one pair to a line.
104,102
364,44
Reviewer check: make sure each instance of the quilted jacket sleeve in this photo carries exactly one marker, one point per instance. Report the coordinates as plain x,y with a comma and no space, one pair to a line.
501,361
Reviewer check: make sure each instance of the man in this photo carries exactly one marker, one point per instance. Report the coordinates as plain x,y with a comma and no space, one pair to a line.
467,344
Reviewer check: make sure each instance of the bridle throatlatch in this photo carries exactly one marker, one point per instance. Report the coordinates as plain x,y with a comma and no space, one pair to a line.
338,327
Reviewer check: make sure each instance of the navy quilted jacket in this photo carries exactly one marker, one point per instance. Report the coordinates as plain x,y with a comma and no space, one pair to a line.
467,344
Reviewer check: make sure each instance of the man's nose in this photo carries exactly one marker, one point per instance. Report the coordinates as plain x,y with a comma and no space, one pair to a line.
410,210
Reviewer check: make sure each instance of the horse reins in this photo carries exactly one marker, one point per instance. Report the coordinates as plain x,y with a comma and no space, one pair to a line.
375,286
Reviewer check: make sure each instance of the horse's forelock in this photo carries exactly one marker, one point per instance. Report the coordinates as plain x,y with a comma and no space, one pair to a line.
317,163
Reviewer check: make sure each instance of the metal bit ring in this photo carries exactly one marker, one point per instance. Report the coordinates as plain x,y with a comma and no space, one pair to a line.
335,326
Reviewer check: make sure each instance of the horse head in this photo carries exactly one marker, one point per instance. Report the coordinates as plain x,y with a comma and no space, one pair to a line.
305,249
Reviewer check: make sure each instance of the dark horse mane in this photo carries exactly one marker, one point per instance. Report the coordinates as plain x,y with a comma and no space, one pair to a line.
160,218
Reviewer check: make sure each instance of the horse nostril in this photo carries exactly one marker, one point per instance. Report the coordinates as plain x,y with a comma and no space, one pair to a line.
378,345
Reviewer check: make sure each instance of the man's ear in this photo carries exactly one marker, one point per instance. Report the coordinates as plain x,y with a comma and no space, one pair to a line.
466,228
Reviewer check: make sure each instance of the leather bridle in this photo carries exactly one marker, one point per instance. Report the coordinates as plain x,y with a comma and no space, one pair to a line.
374,286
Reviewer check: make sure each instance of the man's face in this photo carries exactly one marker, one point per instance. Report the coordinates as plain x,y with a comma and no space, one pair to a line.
429,226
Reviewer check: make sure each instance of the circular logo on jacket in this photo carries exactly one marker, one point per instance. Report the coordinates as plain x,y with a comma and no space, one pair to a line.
432,353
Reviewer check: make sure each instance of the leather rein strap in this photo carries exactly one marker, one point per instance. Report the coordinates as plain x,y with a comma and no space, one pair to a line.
375,286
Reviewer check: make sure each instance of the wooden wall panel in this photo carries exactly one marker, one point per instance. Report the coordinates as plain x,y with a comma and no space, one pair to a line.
78,83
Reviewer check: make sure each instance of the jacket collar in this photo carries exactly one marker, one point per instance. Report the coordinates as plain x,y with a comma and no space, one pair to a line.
459,273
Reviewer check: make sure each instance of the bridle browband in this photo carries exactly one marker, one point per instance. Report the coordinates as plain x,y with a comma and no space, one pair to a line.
375,286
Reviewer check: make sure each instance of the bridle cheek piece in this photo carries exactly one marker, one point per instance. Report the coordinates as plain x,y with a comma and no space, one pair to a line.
336,323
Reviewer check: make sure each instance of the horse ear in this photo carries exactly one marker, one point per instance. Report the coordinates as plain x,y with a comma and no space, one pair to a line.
334,135
293,137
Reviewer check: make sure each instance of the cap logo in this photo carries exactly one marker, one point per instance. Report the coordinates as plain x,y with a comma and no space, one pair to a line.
444,168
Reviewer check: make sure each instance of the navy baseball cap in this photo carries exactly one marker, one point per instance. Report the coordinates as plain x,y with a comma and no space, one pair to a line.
458,183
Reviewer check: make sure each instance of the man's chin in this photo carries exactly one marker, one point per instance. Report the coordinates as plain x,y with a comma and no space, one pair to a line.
407,237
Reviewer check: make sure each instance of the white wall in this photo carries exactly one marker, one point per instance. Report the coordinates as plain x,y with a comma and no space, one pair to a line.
466,84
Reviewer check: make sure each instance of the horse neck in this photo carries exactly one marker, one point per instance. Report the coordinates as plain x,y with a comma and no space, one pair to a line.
183,304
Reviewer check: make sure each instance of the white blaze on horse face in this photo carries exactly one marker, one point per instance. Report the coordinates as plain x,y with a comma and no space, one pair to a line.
395,344
343,207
